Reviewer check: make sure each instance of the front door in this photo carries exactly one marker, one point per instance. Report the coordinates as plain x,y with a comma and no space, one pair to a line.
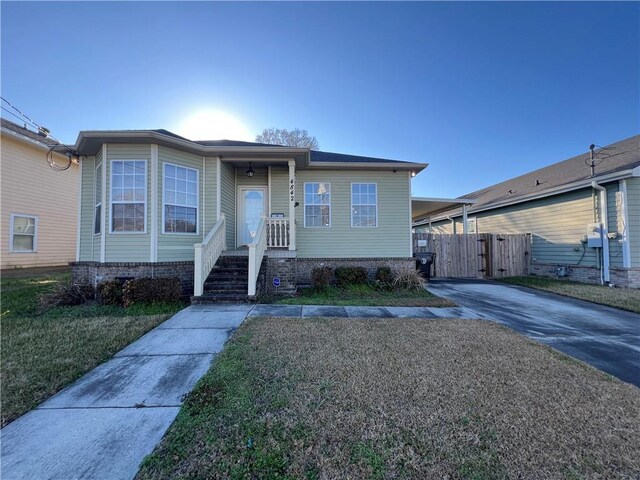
252,205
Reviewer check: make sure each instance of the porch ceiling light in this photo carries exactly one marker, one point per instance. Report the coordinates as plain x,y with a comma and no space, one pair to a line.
250,171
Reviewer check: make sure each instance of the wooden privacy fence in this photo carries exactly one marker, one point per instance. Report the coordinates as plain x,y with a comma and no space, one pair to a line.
482,255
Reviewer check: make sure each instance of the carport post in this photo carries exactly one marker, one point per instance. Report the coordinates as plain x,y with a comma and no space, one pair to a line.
464,219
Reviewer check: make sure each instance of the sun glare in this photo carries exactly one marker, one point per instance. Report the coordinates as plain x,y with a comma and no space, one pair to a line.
213,125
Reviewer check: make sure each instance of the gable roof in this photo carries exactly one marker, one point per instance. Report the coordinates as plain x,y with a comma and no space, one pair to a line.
23,131
618,157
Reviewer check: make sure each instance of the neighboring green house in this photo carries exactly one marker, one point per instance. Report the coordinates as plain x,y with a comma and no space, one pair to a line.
584,221
156,204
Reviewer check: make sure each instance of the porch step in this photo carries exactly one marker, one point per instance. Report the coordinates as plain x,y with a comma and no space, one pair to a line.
221,298
227,282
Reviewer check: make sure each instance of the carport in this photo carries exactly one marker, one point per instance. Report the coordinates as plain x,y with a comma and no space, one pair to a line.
424,208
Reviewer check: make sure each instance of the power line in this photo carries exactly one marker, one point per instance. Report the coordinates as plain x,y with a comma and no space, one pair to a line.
19,118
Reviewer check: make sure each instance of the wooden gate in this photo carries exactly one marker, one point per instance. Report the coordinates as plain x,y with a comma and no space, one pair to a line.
483,255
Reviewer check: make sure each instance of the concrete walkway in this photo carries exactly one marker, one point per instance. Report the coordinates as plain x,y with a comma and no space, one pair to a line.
605,337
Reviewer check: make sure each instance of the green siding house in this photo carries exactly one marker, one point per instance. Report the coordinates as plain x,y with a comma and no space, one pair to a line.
583,214
154,204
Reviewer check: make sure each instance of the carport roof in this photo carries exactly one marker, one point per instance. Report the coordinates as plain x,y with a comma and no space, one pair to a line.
425,207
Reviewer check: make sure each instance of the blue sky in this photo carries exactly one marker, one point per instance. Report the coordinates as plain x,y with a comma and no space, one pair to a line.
481,91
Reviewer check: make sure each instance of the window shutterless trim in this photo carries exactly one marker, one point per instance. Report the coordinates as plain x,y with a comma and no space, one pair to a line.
305,205
11,233
364,204
111,201
165,203
97,202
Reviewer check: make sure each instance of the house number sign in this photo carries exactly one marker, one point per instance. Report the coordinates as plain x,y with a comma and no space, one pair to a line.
292,193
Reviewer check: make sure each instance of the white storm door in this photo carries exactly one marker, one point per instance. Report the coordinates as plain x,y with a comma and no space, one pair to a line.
252,205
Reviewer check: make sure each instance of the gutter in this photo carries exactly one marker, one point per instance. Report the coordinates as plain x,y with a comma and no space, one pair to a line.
604,230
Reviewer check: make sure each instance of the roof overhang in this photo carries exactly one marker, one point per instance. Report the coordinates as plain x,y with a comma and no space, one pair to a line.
570,187
89,142
423,208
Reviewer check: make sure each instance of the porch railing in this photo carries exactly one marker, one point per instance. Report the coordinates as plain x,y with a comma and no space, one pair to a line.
277,232
207,254
256,252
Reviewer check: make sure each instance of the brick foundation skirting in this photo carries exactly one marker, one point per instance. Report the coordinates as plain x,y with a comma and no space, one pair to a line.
621,277
95,273
306,265
291,271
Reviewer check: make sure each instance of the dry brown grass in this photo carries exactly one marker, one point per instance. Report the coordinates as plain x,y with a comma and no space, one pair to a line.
390,398
624,298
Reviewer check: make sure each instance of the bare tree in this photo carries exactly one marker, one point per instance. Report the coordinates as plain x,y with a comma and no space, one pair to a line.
288,138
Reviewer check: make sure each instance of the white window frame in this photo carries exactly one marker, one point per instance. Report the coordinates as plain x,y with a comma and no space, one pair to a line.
304,212
97,201
164,201
364,204
35,233
111,202
474,222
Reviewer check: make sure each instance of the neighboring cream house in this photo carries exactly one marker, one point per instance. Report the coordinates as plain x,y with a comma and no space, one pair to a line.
156,204
39,206
585,222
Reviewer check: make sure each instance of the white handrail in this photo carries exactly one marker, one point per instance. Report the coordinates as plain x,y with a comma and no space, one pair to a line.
207,254
256,252
277,232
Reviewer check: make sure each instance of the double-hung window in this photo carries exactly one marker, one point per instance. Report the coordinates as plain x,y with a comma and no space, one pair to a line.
317,204
364,205
128,195
180,199
24,233
97,220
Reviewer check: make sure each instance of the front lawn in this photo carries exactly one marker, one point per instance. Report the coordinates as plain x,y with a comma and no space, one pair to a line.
390,398
44,352
623,298
364,295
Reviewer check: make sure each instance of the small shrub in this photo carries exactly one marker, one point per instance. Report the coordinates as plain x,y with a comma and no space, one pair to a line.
110,292
409,279
384,275
321,277
148,290
66,294
351,276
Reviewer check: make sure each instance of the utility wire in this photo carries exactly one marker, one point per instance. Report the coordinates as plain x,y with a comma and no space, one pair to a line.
52,148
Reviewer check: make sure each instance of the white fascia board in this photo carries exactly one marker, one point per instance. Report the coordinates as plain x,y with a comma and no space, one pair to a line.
570,187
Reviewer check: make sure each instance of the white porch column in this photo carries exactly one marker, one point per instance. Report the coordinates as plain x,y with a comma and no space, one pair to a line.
464,219
292,205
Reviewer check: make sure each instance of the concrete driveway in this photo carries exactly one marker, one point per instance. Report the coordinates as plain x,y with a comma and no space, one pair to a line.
605,337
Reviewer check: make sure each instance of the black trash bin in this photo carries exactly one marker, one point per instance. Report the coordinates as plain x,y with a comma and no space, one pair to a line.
423,263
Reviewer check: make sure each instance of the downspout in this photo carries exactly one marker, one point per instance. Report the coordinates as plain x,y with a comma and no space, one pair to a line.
605,276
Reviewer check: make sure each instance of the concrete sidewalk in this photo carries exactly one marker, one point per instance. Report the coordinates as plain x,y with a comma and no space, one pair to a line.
104,424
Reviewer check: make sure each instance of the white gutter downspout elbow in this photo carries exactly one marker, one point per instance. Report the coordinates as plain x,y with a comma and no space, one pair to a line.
605,230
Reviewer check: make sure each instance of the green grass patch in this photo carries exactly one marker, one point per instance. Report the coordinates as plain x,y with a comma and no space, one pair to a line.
42,352
622,298
364,295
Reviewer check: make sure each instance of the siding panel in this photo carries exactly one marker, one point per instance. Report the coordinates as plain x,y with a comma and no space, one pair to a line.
633,204
30,187
228,202
175,246
390,239
127,247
